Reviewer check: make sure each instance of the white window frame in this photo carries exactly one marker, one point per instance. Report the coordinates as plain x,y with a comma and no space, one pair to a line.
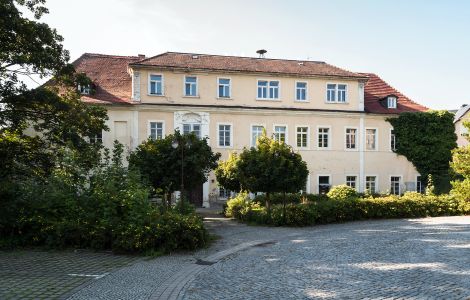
163,85
251,132
356,181
392,100
231,135
306,92
192,128
149,131
197,87
229,89
95,139
286,140
394,141
336,92
356,148
423,188
218,193
308,137
267,90
376,191
330,140
330,180
399,184
376,137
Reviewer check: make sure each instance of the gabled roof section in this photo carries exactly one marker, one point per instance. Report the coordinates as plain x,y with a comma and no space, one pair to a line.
177,60
464,109
376,90
109,74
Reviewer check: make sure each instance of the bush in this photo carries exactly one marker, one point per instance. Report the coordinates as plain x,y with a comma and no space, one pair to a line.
410,205
342,192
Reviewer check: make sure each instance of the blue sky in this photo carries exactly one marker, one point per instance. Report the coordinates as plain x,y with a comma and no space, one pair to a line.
420,47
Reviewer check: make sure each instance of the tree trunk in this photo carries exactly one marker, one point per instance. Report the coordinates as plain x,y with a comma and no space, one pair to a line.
268,204
284,208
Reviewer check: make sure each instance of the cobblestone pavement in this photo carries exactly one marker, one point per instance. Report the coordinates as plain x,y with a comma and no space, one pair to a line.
391,259
53,274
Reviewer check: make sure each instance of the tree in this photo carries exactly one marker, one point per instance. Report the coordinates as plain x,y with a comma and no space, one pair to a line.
461,165
426,139
160,163
271,167
227,173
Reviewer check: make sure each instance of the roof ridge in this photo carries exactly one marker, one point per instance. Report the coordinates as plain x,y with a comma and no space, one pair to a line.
108,55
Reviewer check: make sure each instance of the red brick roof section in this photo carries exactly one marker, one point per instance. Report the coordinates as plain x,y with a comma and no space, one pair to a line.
245,64
376,89
109,74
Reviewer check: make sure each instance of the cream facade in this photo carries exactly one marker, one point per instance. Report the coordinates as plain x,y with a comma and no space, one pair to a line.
340,142
461,131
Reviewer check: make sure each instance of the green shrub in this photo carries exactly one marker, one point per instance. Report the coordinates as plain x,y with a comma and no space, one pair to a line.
236,205
342,192
461,189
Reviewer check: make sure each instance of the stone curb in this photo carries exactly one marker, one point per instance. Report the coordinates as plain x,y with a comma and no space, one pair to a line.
172,287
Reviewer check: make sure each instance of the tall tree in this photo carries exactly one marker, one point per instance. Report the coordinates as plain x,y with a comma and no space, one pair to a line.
461,165
165,163
227,173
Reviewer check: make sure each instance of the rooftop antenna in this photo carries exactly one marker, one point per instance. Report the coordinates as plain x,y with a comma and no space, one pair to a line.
261,53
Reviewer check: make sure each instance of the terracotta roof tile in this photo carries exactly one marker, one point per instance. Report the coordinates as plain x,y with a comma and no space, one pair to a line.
109,74
376,90
245,64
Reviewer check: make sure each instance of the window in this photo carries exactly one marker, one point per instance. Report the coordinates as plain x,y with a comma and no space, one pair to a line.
351,138
463,130
224,193
323,137
156,84
96,139
225,135
391,102
419,185
190,86
371,139
268,89
256,131
223,88
302,137
84,89
192,128
156,130
371,184
393,142
323,184
395,185
351,181
336,93
301,91
280,133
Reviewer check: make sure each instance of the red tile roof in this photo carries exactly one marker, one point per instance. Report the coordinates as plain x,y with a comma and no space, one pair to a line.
245,64
376,90
109,74
114,85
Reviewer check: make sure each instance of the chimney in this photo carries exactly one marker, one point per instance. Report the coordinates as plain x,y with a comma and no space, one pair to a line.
141,56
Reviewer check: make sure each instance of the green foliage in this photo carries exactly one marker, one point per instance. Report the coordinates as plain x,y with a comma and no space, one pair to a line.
227,173
410,205
426,139
160,163
461,165
105,208
271,167
342,192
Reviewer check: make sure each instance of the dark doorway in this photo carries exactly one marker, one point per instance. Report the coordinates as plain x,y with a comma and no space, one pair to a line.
195,196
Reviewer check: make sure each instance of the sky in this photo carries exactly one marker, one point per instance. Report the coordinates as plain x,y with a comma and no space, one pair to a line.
422,48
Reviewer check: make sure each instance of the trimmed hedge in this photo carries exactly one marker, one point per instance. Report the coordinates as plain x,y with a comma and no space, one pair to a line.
410,205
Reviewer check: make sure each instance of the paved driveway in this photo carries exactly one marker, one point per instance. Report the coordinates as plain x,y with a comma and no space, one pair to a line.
419,258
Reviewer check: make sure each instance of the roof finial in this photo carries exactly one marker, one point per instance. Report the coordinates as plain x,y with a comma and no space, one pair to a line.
261,53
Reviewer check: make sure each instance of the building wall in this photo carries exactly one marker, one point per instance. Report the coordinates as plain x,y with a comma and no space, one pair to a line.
244,90
335,161
460,130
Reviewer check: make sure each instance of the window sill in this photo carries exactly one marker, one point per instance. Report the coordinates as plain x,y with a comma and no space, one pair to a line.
224,98
336,102
323,149
268,100
225,147
196,97
302,101
351,150
155,95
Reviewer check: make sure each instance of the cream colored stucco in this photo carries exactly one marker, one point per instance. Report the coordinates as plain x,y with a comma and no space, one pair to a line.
461,130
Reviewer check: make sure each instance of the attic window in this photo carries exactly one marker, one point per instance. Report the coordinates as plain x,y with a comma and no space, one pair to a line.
392,102
195,56
84,89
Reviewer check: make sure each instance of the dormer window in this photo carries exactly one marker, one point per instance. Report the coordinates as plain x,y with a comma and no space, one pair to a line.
84,89
391,102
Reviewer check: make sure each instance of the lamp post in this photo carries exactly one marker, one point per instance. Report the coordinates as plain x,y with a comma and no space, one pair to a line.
179,142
